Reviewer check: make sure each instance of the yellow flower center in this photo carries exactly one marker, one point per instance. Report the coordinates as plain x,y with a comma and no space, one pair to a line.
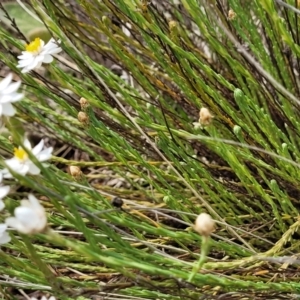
20,154
34,46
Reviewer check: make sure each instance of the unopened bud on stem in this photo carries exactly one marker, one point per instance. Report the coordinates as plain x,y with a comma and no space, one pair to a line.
231,15
75,171
83,117
83,103
205,116
204,224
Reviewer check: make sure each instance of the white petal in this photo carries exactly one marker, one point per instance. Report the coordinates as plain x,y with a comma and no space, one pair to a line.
12,163
11,222
55,51
11,88
8,110
6,174
5,238
1,176
25,203
26,215
4,190
36,63
34,202
33,169
16,224
14,97
3,227
5,82
26,62
27,144
16,166
47,59
38,148
50,44
25,55
25,70
2,205
45,154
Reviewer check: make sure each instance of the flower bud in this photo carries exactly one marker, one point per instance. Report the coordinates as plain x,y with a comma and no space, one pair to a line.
83,117
238,95
231,15
75,171
172,24
237,130
83,103
204,224
205,116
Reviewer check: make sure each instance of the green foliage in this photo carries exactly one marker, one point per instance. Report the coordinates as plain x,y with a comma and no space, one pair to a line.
25,20
242,169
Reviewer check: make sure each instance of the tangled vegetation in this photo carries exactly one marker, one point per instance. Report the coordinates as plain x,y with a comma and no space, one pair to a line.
133,165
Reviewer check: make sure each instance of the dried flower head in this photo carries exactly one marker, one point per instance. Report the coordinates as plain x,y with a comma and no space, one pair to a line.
204,224
172,24
83,117
205,116
75,171
231,14
83,103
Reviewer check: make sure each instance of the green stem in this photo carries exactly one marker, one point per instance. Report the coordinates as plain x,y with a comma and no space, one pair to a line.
201,261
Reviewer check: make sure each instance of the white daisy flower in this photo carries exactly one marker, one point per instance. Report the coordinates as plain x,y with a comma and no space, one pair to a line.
21,162
4,236
4,190
37,52
29,218
9,95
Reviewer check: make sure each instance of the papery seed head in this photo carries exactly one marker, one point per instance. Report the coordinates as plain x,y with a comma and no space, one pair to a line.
75,171
172,24
83,103
231,14
204,224
83,117
205,116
